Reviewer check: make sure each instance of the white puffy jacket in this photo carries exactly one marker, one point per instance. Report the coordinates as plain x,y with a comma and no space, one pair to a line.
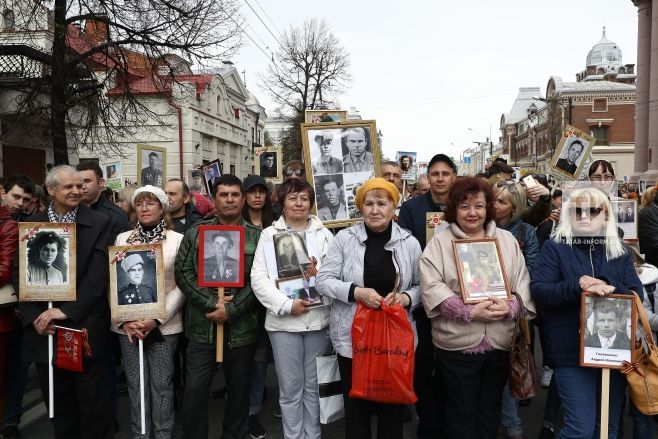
343,266
264,284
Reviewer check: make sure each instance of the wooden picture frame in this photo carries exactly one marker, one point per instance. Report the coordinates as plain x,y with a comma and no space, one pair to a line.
333,172
137,284
230,241
325,116
626,219
148,171
618,314
561,166
481,269
47,262
294,288
265,156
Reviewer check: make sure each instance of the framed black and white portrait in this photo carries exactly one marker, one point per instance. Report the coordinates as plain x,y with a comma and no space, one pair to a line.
137,288
47,262
607,330
151,165
211,172
221,256
571,154
481,269
291,254
268,162
625,213
407,162
300,287
196,181
339,158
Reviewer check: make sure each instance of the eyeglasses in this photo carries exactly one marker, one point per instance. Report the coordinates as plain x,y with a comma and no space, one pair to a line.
510,184
592,212
146,205
288,172
605,177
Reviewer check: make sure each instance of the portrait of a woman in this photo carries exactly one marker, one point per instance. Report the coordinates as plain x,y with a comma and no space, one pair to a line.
45,255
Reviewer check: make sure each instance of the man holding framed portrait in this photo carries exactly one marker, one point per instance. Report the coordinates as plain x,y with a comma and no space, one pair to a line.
239,311
81,402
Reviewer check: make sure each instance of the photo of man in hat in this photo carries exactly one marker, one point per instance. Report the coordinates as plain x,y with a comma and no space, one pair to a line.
220,266
135,292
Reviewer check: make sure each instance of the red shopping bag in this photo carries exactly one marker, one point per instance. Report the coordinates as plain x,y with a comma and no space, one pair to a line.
383,355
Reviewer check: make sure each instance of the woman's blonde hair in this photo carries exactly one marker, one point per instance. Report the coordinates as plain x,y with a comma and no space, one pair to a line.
614,247
647,197
152,197
514,193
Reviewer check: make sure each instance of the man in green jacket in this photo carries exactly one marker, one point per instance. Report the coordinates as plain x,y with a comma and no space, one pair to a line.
240,312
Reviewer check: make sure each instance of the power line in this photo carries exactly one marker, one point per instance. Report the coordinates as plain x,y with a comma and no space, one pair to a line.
259,37
264,24
244,32
268,16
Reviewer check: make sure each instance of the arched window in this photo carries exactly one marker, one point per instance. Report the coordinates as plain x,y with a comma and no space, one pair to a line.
9,22
219,104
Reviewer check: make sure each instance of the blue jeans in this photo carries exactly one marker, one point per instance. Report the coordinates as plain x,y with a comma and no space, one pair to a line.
580,391
642,424
509,414
552,408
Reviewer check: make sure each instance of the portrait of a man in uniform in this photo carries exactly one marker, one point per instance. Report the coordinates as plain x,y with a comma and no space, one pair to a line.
135,291
220,266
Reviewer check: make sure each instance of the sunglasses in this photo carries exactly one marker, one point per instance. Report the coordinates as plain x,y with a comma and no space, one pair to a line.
288,172
510,184
592,212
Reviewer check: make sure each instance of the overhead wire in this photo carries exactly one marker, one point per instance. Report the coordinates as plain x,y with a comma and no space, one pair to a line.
268,16
263,22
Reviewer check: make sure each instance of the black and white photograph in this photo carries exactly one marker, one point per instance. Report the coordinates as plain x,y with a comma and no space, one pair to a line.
197,182
268,162
47,261
325,151
642,186
221,250
407,161
299,287
136,282
607,330
330,197
338,158
211,172
291,254
481,269
625,212
151,163
571,153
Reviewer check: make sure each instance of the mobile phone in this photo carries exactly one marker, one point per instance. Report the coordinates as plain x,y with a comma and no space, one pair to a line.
530,181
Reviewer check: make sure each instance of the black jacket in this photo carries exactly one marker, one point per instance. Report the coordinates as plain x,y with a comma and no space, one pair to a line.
118,219
647,222
90,310
192,218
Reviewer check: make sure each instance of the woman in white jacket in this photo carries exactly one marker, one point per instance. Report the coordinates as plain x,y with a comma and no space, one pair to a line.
297,327
153,226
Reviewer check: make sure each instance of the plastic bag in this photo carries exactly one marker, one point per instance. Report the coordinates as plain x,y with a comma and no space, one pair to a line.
383,355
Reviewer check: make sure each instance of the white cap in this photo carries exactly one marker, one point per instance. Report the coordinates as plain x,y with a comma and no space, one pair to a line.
159,193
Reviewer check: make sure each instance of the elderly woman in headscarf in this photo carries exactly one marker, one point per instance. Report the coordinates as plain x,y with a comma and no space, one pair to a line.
153,227
369,263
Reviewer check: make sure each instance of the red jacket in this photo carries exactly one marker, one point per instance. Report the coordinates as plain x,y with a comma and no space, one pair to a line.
8,245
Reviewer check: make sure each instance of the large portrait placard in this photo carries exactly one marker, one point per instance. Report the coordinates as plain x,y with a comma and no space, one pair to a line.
607,330
339,158
481,269
221,256
151,165
571,154
47,262
137,286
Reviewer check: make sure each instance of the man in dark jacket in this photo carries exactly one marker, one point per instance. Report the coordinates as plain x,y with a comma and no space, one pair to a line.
647,221
240,312
92,196
183,213
81,405
17,194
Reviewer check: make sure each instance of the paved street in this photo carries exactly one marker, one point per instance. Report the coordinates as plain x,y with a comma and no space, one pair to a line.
41,429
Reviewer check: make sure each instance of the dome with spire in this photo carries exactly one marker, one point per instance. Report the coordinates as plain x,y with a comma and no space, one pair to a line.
605,56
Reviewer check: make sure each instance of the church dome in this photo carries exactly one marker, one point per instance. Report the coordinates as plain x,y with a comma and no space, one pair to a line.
605,56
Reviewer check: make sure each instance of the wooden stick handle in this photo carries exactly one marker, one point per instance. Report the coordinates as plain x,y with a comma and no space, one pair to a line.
605,402
219,353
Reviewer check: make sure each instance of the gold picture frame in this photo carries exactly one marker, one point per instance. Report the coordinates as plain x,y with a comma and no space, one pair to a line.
481,269
561,165
146,175
325,116
333,172
47,262
274,155
136,293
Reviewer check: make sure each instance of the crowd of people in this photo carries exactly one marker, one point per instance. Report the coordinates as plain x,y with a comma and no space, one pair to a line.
551,250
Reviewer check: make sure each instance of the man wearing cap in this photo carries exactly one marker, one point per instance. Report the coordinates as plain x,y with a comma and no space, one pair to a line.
441,174
135,292
326,164
220,266
239,311
82,407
